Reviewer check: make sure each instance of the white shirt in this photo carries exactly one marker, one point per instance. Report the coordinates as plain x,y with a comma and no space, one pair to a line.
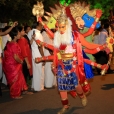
34,46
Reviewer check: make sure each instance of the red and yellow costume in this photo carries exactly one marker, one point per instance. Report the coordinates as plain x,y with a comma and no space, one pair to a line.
70,66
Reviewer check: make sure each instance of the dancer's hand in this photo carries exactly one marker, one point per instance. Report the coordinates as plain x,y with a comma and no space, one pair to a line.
98,13
43,64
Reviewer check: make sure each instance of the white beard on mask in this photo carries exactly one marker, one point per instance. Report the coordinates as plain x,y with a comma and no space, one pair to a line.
65,38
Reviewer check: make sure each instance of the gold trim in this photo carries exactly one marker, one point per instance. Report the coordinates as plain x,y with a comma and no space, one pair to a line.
59,56
85,83
62,51
67,55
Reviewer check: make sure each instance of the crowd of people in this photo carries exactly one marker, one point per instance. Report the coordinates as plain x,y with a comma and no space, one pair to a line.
17,62
22,47
100,37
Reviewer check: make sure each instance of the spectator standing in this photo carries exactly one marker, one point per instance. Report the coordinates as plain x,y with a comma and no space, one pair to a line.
26,54
49,78
12,66
5,38
37,51
102,56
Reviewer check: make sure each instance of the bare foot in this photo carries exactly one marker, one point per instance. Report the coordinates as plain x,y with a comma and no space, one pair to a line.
19,97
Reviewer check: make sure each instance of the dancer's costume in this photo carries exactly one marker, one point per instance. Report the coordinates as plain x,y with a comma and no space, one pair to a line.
68,61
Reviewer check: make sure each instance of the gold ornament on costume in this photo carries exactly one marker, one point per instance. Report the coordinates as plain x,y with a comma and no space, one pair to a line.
62,19
110,42
78,10
103,72
38,9
56,12
55,15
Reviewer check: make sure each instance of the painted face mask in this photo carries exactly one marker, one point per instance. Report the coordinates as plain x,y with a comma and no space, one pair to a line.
80,22
51,23
89,21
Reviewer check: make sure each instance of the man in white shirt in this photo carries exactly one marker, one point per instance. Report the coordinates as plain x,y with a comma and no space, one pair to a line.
37,51
49,78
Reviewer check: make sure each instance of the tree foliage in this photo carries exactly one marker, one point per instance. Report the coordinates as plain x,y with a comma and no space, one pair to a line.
21,10
104,5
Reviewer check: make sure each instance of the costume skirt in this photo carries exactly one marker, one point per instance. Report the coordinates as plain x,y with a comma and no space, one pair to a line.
66,82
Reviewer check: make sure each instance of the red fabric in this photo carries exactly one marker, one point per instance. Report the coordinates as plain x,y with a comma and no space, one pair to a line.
64,102
17,85
68,13
80,58
23,45
26,51
62,47
80,67
13,70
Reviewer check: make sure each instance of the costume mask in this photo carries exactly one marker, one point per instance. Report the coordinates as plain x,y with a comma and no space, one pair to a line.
62,28
89,21
80,22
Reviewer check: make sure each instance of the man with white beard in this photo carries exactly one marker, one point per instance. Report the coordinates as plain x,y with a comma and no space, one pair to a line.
68,61
63,40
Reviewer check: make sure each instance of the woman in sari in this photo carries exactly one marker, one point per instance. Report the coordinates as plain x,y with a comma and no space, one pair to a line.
12,66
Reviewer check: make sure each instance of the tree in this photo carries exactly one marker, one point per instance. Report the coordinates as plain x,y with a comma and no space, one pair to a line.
21,10
104,5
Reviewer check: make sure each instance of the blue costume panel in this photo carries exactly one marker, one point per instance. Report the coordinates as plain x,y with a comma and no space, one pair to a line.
66,82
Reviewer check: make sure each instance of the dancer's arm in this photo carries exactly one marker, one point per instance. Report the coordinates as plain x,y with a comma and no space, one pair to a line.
92,28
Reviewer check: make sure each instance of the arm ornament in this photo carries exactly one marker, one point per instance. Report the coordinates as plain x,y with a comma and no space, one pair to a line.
45,58
44,44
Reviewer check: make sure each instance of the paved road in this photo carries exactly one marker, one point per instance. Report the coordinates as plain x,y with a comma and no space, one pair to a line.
100,101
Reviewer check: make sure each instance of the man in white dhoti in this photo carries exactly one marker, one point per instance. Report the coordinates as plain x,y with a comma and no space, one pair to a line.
37,51
49,78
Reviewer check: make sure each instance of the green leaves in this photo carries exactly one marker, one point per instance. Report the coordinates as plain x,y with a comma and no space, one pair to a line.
21,10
